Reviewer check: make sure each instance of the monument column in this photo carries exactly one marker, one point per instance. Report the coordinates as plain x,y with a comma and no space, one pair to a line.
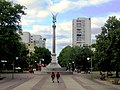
54,63
54,42
54,60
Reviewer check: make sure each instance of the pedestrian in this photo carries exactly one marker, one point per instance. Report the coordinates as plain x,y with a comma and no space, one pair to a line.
58,76
53,76
31,70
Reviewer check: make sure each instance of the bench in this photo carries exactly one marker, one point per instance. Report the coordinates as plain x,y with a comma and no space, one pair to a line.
102,77
109,74
115,81
18,69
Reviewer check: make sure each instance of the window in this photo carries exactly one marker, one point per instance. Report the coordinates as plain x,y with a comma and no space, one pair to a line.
78,38
85,44
78,30
28,44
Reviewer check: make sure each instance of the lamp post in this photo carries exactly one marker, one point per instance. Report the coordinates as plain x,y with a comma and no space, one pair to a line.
90,65
35,65
3,61
14,67
40,63
69,66
3,64
73,66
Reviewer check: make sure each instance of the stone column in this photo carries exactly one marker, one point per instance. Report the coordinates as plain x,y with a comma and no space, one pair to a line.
54,63
54,60
54,42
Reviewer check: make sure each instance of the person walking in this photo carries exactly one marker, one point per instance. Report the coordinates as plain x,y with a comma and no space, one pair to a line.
58,76
53,76
31,70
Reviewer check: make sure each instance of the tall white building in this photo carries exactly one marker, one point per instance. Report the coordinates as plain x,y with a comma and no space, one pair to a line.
81,32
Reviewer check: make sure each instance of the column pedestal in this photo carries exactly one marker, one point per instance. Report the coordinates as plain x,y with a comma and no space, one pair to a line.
54,66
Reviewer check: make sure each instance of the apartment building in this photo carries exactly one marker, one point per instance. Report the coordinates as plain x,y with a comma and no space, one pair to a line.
37,40
26,37
81,32
33,40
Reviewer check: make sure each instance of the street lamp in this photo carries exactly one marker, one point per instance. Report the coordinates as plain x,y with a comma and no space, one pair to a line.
43,60
69,66
73,66
14,67
3,61
91,65
40,63
35,65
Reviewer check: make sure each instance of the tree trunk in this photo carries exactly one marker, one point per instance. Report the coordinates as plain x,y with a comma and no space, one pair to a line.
0,67
117,73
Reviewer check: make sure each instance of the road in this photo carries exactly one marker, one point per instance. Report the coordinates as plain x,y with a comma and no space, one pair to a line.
40,81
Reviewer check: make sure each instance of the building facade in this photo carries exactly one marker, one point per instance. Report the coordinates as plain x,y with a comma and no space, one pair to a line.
26,37
37,40
33,40
81,32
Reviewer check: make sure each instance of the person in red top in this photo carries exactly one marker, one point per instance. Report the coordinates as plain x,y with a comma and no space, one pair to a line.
53,76
58,76
31,70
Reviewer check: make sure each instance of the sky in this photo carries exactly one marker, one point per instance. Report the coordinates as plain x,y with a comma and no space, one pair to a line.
39,17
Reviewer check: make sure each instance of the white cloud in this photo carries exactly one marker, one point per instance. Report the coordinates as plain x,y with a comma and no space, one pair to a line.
41,8
26,22
65,5
63,40
97,22
41,30
42,14
35,30
95,2
64,28
117,14
24,2
61,6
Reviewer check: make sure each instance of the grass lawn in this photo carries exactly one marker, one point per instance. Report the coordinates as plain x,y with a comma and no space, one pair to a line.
93,72
1,78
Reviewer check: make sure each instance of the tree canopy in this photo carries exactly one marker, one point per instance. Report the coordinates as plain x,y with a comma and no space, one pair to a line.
10,30
41,53
76,54
10,18
107,46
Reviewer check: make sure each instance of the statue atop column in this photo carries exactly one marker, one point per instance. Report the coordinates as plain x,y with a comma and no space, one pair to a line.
54,18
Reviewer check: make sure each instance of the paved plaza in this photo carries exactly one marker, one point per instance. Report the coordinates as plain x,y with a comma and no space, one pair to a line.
42,81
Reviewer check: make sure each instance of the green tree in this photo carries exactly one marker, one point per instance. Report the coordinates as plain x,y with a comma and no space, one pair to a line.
76,54
106,46
42,53
22,58
64,57
10,16
80,56
114,50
